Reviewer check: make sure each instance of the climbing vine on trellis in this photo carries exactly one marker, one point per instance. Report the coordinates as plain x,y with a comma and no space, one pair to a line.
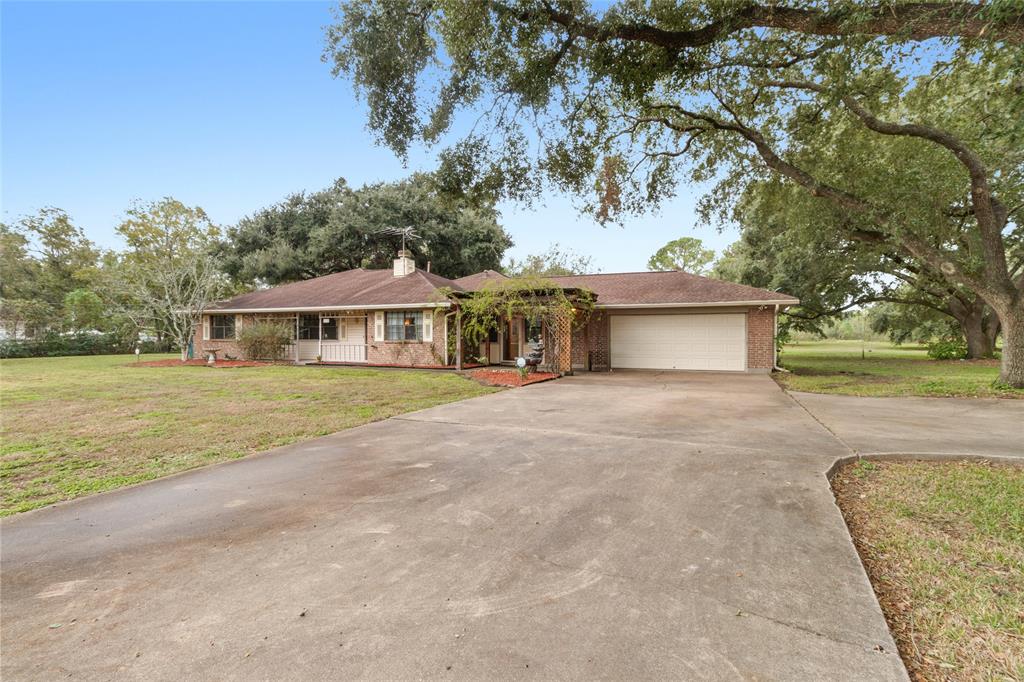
533,298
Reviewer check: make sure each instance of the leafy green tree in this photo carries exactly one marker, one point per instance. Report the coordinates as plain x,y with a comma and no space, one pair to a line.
631,98
784,246
309,235
84,310
554,262
168,275
686,253
43,258
911,323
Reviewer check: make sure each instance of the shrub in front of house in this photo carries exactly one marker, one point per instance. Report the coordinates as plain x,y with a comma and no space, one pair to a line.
947,349
264,340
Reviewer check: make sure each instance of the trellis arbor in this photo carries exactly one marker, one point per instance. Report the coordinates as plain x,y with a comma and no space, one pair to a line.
542,309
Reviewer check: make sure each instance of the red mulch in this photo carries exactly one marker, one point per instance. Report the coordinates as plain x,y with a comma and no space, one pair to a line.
199,363
509,377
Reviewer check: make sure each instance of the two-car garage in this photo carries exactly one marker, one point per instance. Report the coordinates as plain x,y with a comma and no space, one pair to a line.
711,341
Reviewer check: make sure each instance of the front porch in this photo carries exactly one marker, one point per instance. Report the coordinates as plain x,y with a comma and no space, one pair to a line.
329,338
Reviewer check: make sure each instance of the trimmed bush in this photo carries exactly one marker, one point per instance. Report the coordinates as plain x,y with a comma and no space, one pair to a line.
264,340
947,349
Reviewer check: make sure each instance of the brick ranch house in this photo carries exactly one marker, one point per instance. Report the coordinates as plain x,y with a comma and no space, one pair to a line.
402,316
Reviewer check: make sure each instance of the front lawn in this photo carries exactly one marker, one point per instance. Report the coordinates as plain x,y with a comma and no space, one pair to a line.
882,369
78,425
943,544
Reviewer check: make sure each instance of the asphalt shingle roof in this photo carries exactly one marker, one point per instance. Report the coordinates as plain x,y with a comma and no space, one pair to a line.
367,288
647,288
349,288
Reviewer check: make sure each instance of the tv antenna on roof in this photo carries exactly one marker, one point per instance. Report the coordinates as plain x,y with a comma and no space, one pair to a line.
406,233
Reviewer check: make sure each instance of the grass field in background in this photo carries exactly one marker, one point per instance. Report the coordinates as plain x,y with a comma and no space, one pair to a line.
78,425
943,544
875,368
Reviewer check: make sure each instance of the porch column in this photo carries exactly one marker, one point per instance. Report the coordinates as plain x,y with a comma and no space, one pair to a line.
458,340
296,338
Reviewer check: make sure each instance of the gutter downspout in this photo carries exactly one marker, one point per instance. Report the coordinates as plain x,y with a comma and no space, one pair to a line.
775,348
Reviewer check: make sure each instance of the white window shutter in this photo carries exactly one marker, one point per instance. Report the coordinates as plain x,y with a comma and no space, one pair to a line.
238,325
428,325
342,329
206,327
378,325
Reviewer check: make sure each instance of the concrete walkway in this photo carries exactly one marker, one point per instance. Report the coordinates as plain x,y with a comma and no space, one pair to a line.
634,525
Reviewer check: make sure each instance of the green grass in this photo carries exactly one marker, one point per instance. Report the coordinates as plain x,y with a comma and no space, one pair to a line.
943,544
880,369
79,425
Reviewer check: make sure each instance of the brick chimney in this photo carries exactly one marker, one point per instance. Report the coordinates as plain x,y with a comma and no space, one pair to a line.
404,264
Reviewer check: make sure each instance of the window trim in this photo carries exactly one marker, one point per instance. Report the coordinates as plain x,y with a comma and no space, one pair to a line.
403,315
229,329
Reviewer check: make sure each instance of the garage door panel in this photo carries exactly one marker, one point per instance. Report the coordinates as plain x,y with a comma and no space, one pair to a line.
697,342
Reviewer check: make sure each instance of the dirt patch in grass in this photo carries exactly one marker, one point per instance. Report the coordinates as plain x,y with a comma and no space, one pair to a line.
943,544
510,377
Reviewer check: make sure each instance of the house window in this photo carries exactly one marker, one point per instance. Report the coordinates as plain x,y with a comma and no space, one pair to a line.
404,325
222,326
329,328
309,327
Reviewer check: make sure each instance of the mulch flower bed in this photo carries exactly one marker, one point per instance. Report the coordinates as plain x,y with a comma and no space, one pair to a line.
393,366
509,377
200,363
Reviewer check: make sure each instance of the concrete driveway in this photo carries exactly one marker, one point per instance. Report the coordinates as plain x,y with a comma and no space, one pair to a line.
922,426
605,526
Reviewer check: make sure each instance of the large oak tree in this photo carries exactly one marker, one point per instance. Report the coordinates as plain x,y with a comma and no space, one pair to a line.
340,228
622,104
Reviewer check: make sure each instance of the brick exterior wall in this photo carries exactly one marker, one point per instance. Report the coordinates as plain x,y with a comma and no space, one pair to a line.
406,352
590,344
760,339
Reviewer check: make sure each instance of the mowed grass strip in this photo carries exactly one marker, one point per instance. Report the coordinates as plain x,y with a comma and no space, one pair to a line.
78,425
881,369
943,544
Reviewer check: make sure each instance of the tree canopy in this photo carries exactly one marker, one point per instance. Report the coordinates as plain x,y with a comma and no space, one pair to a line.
686,253
618,105
556,261
44,258
340,228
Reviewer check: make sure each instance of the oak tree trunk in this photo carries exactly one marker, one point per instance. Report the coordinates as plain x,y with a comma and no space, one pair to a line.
1012,368
979,343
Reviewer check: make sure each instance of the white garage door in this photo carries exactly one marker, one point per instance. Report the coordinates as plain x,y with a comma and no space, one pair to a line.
713,342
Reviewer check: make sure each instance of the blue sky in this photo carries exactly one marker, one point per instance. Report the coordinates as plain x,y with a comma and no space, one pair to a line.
227,106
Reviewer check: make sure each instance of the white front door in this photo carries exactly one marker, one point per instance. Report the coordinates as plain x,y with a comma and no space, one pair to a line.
698,341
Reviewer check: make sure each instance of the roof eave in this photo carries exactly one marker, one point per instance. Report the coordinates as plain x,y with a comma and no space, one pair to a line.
706,304
340,308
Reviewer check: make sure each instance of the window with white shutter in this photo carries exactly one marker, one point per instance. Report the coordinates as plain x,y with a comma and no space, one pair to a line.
428,325
206,327
378,325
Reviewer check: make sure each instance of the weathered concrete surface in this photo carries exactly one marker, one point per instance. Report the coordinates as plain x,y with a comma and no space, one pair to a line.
953,426
618,526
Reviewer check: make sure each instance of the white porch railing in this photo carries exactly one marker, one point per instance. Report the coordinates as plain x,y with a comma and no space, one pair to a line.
343,352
